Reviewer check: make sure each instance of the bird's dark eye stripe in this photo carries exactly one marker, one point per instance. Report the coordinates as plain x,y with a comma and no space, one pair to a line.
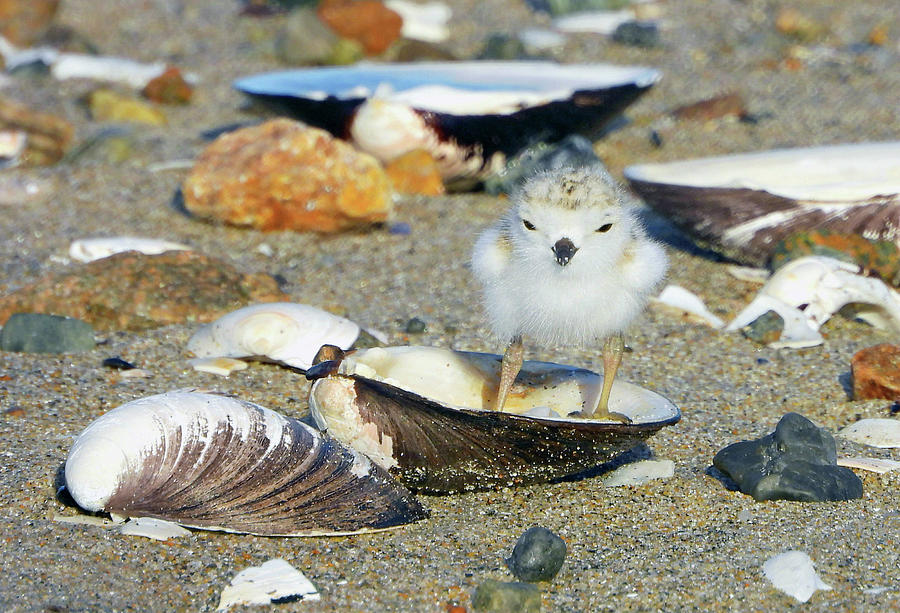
528,224
604,228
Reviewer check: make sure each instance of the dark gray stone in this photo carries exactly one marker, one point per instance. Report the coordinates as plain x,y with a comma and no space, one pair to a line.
574,150
499,597
537,556
501,46
40,333
415,326
796,462
637,34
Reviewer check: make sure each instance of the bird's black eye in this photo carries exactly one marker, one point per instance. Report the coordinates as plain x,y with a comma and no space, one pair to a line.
528,224
604,228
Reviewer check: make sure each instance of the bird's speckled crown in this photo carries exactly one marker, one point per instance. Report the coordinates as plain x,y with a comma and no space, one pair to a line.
573,188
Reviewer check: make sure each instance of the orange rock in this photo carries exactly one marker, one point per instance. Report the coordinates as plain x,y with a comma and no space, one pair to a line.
878,35
713,108
415,172
367,21
876,372
23,22
284,175
169,88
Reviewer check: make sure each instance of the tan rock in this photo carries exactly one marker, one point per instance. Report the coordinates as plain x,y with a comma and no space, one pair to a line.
284,175
416,172
23,22
48,137
133,291
876,372
107,105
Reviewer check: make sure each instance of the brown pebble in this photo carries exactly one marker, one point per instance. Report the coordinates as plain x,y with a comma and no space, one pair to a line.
169,88
726,105
367,21
876,372
16,412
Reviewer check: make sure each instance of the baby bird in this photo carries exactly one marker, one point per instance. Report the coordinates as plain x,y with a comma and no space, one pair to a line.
568,263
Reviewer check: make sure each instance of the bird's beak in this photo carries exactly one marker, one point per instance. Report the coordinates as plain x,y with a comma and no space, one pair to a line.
564,250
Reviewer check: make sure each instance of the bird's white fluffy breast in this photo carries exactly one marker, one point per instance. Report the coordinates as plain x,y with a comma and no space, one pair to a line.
579,303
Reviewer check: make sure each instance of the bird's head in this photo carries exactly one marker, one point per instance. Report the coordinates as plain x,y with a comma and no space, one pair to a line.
571,218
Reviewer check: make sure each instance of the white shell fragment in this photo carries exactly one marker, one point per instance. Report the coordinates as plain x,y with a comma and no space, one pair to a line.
793,573
638,473
882,432
218,366
90,249
875,465
426,22
12,145
218,463
596,22
685,301
266,583
286,332
152,528
822,286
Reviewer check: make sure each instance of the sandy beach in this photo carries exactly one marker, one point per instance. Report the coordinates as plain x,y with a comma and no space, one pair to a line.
686,543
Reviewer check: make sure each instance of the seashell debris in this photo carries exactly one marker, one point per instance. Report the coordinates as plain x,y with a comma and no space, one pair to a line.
286,332
215,462
793,573
875,432
423,21
468,115
686,301
822,286
152,528
265,584
743,205
419,412
90,249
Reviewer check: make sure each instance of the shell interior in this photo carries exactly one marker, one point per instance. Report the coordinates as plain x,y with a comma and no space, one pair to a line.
825,174
215,462
469,380
462,88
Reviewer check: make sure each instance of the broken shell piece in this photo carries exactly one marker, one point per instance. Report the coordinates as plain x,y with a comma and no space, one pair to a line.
152,528
426,22
12,145
807,291
265,584
793,573
677,297
90,249
420,413
285,332
883,433
875,465
218,366
743,205
219,463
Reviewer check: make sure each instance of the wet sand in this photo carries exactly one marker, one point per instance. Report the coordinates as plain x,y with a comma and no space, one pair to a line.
687,543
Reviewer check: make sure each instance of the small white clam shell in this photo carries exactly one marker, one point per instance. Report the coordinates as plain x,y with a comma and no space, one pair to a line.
209,461
793,573
90,249
283,331
883,433
821,286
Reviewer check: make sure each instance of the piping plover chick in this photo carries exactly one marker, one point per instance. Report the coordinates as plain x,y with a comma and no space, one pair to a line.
568,263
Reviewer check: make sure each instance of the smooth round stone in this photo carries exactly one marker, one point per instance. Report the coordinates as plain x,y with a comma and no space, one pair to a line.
499,597
40,333
537,556
637,34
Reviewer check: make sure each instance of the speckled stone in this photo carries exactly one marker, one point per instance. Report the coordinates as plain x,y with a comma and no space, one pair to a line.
40,333
876,372
132,291
765,329
796,462
498,597
284,175
537,556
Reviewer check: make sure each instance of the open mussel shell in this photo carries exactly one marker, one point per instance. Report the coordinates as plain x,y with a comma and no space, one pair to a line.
743,205
419,413
215,462
468,115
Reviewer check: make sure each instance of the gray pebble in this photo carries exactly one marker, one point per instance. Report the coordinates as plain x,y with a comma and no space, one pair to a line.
415,326
500,597
40,333
637,34
765,329
537,556
796,462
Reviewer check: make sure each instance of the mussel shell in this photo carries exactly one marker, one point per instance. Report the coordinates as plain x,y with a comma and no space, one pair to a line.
742,205
438,445
215,462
